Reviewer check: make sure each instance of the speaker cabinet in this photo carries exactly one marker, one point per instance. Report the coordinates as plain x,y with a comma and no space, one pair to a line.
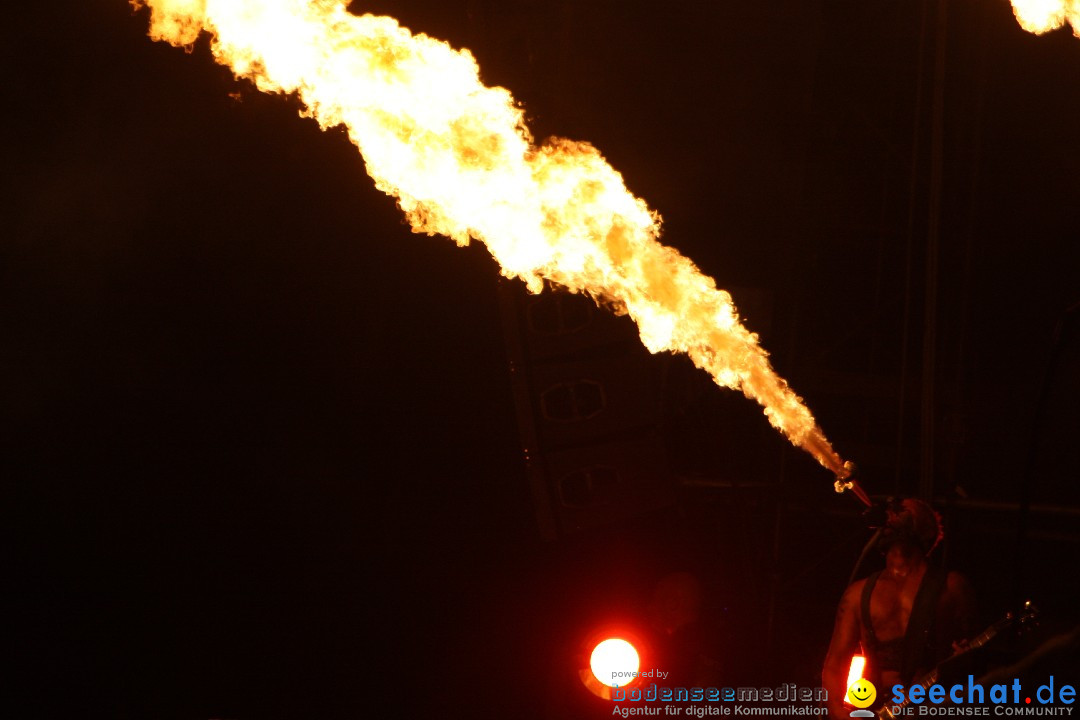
589,405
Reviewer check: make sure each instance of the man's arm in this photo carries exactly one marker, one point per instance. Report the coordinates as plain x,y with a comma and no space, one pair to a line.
844,644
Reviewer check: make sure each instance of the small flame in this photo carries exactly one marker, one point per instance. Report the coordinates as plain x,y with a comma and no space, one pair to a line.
855,671
1040,16
461,162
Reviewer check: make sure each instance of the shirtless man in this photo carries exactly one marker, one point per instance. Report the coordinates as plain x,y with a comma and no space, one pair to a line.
911,532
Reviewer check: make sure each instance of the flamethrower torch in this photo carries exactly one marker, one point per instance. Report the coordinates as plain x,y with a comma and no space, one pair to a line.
875,515
846,480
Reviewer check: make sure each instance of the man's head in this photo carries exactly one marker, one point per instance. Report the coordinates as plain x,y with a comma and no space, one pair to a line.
912,522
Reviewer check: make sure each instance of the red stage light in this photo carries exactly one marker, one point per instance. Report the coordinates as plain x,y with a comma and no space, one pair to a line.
615,662
611,657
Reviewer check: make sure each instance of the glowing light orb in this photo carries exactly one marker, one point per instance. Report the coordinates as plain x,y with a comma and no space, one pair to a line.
614,662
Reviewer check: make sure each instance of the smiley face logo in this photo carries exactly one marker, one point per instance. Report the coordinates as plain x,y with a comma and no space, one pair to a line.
862,693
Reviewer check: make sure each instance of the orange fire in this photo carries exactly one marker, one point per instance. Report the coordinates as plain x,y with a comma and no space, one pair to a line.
856,670
1040,16
461,163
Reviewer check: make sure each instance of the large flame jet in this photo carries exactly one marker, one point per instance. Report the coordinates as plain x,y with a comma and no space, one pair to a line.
461,162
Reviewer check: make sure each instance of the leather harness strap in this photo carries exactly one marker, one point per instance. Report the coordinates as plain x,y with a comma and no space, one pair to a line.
868,627
919,635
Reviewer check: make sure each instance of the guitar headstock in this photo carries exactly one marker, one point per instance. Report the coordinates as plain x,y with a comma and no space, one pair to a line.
1022,621
1028,617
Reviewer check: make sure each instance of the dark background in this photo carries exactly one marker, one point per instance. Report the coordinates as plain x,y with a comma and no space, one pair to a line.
259,445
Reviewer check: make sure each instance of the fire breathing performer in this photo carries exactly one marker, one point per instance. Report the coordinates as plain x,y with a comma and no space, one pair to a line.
906,618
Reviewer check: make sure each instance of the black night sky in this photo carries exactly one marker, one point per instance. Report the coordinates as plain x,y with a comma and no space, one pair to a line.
261,445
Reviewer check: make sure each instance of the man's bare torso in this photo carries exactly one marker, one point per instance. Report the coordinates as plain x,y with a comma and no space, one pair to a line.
891,605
